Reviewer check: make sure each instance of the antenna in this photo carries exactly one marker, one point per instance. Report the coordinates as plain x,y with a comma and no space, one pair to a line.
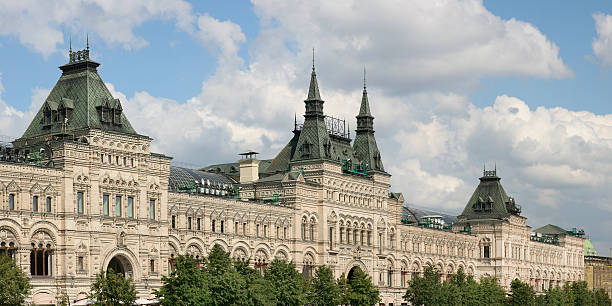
313,62
364,78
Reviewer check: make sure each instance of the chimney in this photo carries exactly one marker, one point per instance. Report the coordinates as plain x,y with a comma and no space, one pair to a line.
249,167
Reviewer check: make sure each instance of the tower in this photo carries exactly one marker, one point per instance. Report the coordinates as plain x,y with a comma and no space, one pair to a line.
366,149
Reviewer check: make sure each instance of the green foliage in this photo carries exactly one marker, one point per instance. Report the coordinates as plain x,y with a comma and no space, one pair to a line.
324,291
521,294
582,294
185,285
112,288
344,289
602,298
286,283
425,290
491,293
14,286
362,291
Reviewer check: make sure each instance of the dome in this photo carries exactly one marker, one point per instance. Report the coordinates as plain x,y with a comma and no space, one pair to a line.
589,250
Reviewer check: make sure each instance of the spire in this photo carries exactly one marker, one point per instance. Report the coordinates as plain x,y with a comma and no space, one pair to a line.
313,90
87,41
364,110
70,40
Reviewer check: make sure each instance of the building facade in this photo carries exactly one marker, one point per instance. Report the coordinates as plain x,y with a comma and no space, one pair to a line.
81,192
598,273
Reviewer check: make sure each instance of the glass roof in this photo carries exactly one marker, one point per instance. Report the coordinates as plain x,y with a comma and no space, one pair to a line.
183,177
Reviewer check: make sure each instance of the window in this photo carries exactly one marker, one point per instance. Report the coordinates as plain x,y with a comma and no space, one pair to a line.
312,232
222,226
11,203
152,265
331,235
303,230
188,223
277,232
35,203
265,233
80,207
213,225
173,224
198,222
285,232
109,158
244,232
40,260
486,251
102,157
235,227
105,204
118,206
152,209
389,277
8,250
257,230
130,207
116,160
125,161
80,264
48,204
132,161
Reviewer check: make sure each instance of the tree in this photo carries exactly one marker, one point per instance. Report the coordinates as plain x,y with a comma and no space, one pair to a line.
324,289
425,290
521,294
286,283
226,285
362,291
112,288
490,292
602,298
186,285
582,295
344,288
14,286
460,289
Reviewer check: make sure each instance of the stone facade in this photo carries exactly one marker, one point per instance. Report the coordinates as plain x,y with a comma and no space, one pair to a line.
95,197
598,273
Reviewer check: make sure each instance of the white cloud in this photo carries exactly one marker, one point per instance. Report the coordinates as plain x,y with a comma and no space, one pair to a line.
41,25
423,58
13,122
602,45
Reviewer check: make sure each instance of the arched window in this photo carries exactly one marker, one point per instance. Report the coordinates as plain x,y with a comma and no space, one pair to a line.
304,228
41,260
308,266
8,249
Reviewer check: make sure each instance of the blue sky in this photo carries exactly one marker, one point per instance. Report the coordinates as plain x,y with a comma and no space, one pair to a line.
452,84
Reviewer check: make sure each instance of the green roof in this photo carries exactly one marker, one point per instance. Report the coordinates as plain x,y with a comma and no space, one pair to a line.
83,93
489,200
589,249
550,229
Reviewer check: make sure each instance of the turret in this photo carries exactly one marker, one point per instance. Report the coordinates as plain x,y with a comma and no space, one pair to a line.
366,149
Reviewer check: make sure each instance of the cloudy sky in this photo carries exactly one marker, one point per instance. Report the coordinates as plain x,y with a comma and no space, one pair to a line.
525,85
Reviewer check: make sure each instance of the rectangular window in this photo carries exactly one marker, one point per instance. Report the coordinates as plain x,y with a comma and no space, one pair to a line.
105,204
222,230
188,223
101,157
130,207
116,160
152,265
265,233
109,158
152,209
213,226
277,232
35,203
80,264
331,236
257,230
244,231
80,207
198,222
48,204
125,161
11,201
236,228
486,251
132,161
284,232
118,206
173,225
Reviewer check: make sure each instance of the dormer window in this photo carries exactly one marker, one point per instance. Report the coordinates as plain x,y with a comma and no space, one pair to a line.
306,148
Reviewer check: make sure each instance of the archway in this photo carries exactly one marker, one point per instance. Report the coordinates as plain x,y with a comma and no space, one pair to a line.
121,264
351,273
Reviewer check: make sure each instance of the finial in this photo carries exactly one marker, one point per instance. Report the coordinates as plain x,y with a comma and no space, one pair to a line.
295,122
313,66
70,40
495,169
364,78
88,41
484,168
